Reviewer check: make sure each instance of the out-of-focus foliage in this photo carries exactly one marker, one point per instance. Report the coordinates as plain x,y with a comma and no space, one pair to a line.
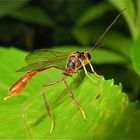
136,55
7,6
92,13
132,16
32,15
71,25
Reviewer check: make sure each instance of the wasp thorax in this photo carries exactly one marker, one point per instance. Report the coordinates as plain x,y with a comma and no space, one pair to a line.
75,61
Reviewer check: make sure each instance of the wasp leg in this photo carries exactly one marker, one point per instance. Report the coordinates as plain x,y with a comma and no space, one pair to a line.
93,69
74,99
87,72
47,104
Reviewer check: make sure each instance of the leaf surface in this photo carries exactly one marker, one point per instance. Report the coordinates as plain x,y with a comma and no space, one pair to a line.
107,108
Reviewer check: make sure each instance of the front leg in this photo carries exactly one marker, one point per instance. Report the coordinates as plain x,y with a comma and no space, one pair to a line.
93,69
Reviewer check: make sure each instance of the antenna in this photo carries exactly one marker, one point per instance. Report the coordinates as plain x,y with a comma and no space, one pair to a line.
106,30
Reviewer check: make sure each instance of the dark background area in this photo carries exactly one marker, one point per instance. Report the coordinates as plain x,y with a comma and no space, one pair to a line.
62,17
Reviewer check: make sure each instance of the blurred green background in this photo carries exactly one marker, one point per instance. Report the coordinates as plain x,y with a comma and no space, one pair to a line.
67,25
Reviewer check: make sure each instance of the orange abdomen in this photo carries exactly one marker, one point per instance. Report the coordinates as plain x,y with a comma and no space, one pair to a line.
21,83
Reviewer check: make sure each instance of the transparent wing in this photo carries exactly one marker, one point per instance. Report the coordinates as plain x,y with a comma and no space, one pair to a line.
43,55
43,58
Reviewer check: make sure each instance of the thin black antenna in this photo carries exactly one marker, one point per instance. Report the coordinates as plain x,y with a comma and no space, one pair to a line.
106,30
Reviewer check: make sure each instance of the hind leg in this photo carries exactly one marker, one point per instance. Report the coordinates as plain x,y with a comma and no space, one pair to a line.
46,102
74,99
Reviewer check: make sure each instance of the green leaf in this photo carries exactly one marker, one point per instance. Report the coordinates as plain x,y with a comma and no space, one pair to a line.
82,35
7,6
138,16
24,117
107,57
33,15
129,14
92,13
119,43
136,55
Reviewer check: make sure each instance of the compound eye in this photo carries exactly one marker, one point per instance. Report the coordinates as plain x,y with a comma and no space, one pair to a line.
82,55
89,56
